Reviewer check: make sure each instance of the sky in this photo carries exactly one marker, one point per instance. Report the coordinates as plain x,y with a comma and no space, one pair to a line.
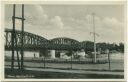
72,21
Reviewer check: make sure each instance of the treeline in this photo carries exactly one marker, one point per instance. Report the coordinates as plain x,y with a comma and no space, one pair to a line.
89,46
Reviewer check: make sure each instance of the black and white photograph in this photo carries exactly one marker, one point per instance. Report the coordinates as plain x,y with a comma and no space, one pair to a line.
64,41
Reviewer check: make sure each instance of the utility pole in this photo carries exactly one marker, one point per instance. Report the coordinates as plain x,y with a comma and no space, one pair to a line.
109,61
13,34
71,58
14,38
22,38
94,34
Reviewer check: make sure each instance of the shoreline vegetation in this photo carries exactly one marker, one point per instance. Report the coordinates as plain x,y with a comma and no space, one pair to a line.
38,68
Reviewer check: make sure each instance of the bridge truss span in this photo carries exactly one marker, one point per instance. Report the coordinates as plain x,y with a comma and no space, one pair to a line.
31,41
65,43
36,42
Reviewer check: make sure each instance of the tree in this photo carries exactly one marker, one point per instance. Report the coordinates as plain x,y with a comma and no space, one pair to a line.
121,47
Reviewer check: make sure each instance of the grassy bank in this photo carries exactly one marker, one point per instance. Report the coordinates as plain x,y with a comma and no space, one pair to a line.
55,75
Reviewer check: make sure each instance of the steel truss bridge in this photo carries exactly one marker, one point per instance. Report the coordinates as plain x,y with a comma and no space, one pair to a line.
21,41
33,42
36,42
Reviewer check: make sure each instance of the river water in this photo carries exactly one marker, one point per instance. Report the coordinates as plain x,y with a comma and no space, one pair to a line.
26,54
117,56
117,62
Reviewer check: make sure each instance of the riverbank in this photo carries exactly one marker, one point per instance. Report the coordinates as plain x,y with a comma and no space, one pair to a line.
35,68
61,74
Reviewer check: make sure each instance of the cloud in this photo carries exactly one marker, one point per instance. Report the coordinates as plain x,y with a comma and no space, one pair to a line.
39,22
57,22
8,24
39,18
40,12
109,29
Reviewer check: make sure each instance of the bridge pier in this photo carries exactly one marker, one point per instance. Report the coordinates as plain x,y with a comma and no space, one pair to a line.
43,53
52,54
